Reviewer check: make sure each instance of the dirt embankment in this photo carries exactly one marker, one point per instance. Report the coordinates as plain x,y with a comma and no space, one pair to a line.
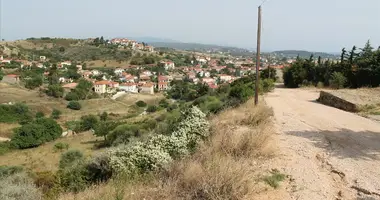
329,153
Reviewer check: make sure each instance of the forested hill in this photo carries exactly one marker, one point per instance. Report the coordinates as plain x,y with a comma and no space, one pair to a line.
304,54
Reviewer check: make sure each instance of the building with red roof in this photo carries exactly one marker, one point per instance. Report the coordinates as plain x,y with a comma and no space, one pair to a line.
102,87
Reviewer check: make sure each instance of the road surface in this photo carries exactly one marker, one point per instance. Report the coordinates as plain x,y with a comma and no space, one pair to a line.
328,153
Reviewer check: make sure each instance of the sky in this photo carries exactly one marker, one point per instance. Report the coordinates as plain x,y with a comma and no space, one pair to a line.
314,25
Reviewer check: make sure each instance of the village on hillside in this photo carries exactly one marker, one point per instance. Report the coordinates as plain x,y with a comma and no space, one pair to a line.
147,79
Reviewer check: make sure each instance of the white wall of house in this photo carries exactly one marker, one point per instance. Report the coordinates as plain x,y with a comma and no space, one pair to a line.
127,88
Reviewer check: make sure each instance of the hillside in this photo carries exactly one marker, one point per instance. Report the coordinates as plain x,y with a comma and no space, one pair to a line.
62,49
202,47
303,54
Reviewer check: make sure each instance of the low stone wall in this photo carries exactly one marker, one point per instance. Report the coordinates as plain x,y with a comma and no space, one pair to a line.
336,102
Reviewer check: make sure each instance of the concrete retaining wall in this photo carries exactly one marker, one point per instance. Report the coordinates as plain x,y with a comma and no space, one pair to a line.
336,102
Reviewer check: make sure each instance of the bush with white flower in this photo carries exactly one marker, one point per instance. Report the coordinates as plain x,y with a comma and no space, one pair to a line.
159,150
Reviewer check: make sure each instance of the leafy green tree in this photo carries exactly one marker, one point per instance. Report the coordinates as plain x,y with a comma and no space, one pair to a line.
1,75
61,49
33,82
104,128
88,122
40,115
36,133
74,105
337,80
141,104
151,108
69,157
104,116
55,91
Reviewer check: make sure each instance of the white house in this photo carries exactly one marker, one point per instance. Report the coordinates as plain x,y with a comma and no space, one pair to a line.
147,88
129,87
102,87
65,80
207,74
225,77
118,71
147,73
168,65
95,72
208,80
202,60
66,63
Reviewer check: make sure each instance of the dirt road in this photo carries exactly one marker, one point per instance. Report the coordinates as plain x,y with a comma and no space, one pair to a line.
328,153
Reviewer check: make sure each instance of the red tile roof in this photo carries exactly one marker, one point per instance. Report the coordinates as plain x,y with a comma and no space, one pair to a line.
13,75
105,83
128,84
70,85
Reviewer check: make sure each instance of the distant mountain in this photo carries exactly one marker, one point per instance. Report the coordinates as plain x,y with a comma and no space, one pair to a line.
304,54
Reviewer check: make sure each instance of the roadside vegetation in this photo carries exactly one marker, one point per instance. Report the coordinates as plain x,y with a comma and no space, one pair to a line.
354,70
134,150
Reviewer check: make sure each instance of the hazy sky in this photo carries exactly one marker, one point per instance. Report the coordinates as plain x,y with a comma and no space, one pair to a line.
317,25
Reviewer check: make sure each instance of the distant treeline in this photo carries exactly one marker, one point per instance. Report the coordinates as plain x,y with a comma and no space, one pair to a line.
356,68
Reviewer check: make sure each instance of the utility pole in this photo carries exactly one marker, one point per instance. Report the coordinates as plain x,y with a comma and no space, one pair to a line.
258,57
1,12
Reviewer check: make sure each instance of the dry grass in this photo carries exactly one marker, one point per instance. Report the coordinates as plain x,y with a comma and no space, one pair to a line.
106,63
224,167
6,130
44,158
45,104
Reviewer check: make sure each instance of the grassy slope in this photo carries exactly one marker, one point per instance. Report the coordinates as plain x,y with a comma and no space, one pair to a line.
228,166
37,103
44,158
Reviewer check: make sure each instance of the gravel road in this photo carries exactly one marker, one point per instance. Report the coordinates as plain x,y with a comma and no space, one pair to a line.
328,153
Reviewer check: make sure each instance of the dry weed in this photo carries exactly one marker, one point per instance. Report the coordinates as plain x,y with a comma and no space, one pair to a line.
222,168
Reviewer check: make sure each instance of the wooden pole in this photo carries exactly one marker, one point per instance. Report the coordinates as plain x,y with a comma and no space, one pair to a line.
258,57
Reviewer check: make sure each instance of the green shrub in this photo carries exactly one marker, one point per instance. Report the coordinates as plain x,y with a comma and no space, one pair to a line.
74,105
337,80
55,90
56,114
141,104
60,146
104,116
163,103
14,113
72,96
69,157
88,122
241,92
267,85
36,133
19,186
40,115
151,108
99,168
274,179
9,170
122,134
159,150
320,85
73,178
172,107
